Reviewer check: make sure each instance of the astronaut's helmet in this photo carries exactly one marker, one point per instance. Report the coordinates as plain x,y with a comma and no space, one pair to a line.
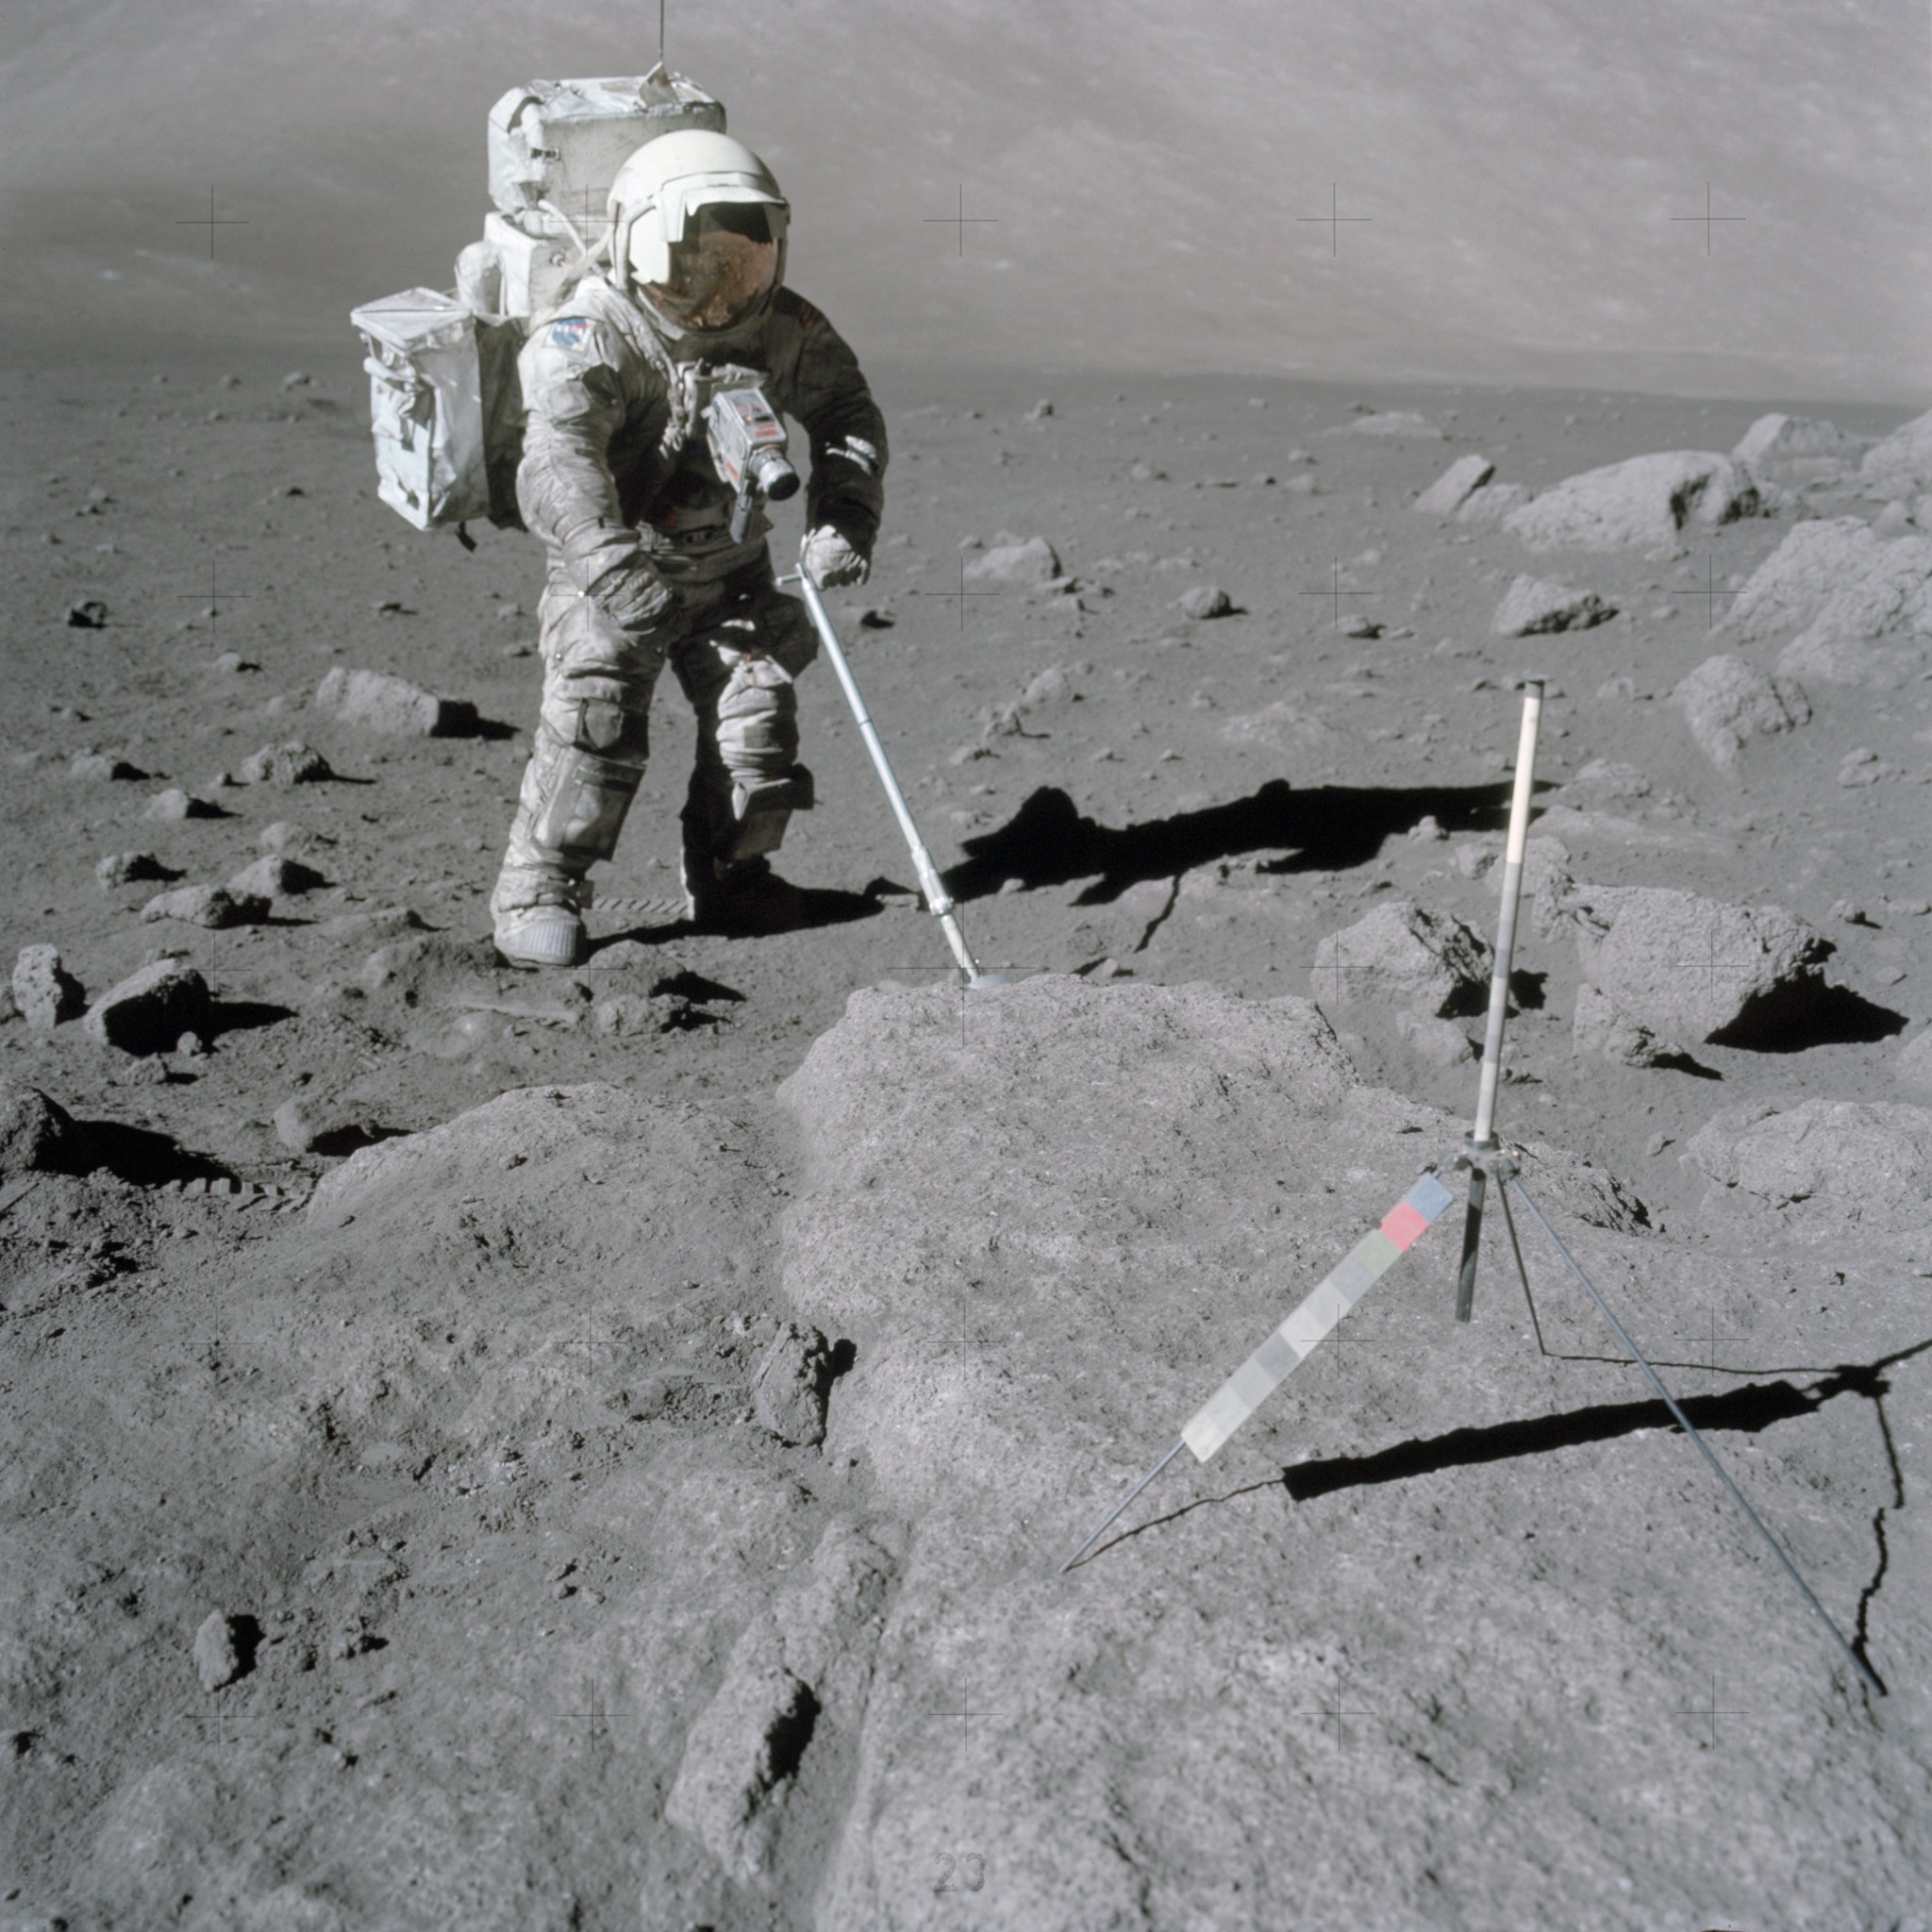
698,231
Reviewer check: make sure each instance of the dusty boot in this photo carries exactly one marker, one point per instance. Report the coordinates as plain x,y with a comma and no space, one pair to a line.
740,897
547,929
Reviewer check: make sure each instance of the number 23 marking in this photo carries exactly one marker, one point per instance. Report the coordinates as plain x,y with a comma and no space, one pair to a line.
971,1868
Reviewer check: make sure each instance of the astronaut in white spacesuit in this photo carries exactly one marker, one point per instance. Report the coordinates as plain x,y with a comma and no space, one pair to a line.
618,480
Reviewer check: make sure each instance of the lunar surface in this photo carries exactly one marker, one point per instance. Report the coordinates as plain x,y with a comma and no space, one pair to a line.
595,1450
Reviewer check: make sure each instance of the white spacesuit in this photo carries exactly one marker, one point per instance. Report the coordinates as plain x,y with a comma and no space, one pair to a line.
617,478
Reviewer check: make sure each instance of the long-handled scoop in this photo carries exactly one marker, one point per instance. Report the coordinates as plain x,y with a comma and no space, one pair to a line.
937,902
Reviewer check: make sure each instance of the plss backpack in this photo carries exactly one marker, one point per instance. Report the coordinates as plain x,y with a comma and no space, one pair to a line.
445,405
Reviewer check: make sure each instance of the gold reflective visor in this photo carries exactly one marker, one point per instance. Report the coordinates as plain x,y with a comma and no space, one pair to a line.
718,277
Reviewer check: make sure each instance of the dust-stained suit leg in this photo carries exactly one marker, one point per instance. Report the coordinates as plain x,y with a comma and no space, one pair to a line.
737,670
591,745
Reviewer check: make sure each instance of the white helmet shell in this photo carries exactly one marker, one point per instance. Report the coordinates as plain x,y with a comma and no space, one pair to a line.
662,186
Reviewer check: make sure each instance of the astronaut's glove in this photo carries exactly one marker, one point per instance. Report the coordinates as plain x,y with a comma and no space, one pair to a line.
830,561
634,596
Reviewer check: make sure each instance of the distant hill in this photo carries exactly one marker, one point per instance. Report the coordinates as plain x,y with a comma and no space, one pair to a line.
1518,188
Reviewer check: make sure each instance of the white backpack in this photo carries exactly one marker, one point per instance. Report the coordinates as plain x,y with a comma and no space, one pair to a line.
445,407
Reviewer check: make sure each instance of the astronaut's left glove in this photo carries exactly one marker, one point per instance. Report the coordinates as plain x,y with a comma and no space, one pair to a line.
830,561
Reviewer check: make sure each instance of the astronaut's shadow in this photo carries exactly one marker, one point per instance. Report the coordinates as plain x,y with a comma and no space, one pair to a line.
813,907
1329,828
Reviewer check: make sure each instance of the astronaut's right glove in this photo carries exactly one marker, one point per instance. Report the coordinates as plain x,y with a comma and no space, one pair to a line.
607,565
830,561
634,596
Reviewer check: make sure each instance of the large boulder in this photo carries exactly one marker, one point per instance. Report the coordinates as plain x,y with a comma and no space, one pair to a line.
1727,702
1696,969
149,1010
1049,1249
1902,460
1644,500
1795,446
1830,1164
1406,956
379,702
1492,503
1855,607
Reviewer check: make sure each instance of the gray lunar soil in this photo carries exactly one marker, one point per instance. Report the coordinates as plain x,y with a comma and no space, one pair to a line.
594,1449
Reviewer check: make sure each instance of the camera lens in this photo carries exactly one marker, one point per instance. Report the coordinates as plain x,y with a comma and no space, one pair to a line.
775,478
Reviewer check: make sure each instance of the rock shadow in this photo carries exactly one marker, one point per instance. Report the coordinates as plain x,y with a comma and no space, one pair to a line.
695,987
137,1155
1793,1017
1048,842
243,1016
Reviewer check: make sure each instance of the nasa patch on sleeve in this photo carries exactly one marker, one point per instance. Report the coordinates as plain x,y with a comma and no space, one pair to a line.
568,332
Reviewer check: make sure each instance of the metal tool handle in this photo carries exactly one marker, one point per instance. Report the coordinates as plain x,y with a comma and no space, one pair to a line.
937,899
1482,1138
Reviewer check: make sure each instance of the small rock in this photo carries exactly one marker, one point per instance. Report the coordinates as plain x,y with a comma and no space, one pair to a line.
99,768
1031,562
1603,1028
1832,1163
91,615
293,763
294,842
37,1134
1727,702
1438,1043
635,1013
1865,767
175,803
1429,962
394,704
1389,422
1534,605
1040,410
413,965
43,989
385,922
230,662
131,868
1605,778
1913,1068
1454,486
190,1046
1205,601
273,877
1360,626
215,907
217,1651
791,1384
